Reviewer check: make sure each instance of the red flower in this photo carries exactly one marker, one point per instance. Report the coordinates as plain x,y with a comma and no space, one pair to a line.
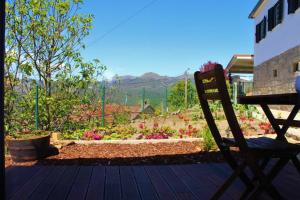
243,118
141,126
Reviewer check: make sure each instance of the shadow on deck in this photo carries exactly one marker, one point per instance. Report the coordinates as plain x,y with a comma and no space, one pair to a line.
189,181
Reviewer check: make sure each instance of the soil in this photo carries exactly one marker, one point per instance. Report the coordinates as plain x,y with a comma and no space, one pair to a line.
127,154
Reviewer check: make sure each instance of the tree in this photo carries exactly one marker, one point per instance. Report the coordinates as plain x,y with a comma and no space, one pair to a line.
177,94
44,39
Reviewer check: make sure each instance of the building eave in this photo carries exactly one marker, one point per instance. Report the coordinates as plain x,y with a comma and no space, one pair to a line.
241,63
259,6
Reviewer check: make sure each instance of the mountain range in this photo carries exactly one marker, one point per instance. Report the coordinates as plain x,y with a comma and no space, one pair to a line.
131,88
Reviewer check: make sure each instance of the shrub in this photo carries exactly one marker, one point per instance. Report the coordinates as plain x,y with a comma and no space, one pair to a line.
208,140
72,135
121,117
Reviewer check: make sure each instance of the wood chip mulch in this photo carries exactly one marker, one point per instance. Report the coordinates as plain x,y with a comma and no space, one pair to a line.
127,154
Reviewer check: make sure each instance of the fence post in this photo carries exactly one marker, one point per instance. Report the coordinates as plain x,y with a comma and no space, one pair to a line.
103,104
126,99
235,88
143,99
37,106
166,100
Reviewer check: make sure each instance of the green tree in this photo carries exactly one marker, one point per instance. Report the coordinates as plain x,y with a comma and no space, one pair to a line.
177,95
44,39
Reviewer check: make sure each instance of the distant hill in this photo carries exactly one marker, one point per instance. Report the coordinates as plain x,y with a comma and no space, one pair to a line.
132,87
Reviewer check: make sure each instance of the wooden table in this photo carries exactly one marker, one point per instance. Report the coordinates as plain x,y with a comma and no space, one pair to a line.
265,101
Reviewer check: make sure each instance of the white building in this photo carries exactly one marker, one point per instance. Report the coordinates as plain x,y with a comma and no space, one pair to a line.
277,45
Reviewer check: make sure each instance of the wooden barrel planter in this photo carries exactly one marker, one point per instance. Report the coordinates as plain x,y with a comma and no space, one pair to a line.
22,150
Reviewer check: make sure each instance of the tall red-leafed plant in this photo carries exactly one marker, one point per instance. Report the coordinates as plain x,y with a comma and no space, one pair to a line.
210,65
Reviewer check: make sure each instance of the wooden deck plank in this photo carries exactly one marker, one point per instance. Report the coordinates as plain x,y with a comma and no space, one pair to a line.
179,188
112,183
81,183
162,188
46,186
143,181
129,187
97,184
16,177
199,188
29,187
200,172
198,181
224,171
62,188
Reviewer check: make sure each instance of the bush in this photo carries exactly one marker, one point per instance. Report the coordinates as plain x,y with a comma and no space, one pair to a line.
208,140
121,118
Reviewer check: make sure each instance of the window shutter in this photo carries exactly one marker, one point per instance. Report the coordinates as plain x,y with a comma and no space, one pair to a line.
271,16
264,27
281,5
257,33
292,6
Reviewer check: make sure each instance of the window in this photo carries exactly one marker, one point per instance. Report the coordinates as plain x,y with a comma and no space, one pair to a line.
275,74
275,15
293,6
296,67
261,30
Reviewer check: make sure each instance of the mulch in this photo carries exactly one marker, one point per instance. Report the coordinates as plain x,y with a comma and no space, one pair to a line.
127,154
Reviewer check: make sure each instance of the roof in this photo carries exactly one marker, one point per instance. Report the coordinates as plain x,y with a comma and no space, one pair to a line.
241,63
259,6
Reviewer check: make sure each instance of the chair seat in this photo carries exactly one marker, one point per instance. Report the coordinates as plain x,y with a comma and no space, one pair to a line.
266,144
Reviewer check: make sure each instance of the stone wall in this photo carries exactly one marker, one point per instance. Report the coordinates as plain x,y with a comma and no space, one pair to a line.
264,80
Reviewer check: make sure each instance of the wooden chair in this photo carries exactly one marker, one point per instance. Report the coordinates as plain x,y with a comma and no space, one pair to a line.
211,86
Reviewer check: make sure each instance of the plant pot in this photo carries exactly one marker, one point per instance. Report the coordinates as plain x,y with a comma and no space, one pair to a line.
22,150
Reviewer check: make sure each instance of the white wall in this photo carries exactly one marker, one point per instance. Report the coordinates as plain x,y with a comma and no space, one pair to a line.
282,38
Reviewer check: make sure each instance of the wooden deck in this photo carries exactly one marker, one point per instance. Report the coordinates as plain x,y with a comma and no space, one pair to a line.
197,181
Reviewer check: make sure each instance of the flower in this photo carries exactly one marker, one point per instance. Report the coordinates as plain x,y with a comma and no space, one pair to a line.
141,125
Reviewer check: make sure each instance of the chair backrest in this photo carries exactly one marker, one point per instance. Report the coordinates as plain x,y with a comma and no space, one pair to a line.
211,86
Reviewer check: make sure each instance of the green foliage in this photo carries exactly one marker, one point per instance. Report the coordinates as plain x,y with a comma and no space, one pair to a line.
177,95
121,118
43,42
28,134
72,135
208,140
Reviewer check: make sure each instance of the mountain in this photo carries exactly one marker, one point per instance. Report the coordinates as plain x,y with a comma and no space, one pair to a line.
130,88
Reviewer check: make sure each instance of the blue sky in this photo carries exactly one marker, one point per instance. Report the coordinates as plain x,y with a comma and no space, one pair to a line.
168,36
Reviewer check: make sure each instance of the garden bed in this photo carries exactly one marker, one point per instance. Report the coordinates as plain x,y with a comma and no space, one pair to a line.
128,154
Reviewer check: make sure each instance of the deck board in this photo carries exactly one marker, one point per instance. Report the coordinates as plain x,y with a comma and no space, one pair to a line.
163,189
129,187
112,183
97,184
197,181
63,187
81,183
146,188
46,186
16,177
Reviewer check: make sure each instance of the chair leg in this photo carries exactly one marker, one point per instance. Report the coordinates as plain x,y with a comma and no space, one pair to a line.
265,181
296,163
229,181
233,164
